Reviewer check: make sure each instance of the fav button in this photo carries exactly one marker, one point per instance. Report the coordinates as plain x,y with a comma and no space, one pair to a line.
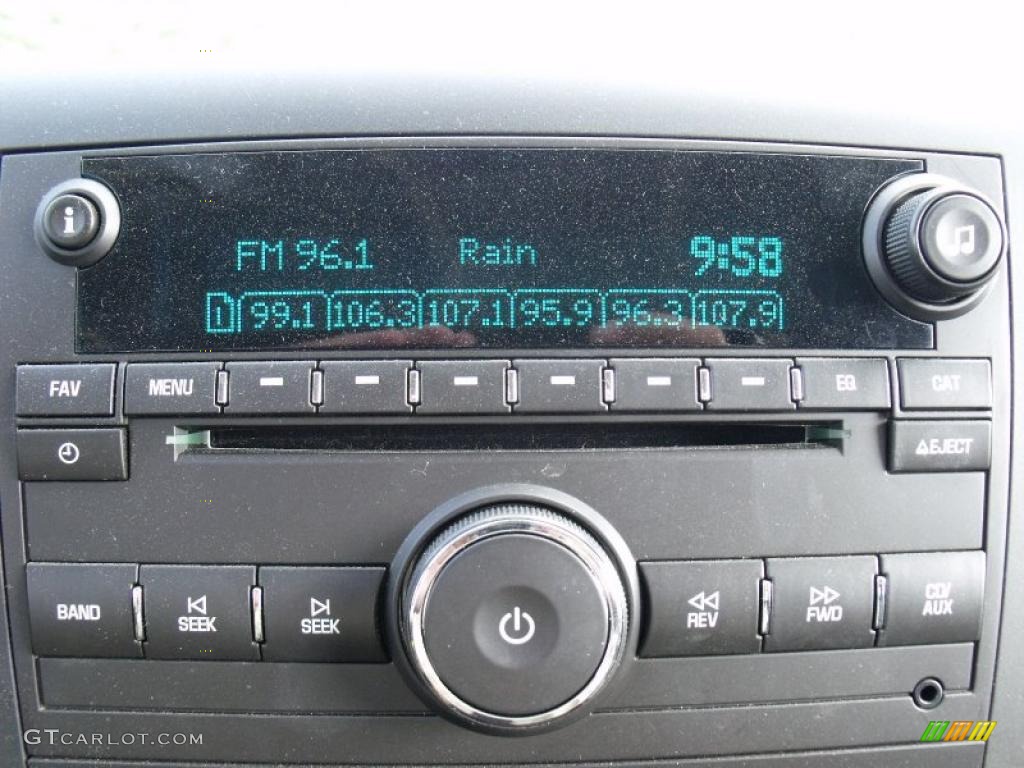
198,612
171,388
933,597
321,614
702,607
66,390
821,603
72,454
940,446
81,609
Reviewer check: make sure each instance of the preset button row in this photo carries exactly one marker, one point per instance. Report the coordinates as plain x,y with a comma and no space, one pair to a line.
814,603
501,386
234,612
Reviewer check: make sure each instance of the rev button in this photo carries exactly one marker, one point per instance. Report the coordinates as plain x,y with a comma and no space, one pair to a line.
321,614
702,607
170,388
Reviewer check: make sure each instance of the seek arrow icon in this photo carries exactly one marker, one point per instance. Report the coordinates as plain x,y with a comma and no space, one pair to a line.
316,607
703,602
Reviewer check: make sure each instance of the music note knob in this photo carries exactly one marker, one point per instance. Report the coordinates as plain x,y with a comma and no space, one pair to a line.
936,247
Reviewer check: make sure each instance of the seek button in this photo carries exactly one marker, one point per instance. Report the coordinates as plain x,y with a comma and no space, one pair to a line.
321,614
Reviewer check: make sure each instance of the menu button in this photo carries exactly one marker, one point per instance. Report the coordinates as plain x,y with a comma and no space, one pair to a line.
171,388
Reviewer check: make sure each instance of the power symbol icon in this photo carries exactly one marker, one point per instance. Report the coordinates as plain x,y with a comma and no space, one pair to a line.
523,627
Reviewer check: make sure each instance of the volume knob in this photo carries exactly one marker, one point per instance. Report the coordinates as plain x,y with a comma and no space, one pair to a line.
514,618
936,245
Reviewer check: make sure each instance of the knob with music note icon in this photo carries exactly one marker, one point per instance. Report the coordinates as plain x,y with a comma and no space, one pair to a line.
932,245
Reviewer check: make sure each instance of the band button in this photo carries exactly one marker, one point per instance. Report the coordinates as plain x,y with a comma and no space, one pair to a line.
81,609
844,383
198,612
321,614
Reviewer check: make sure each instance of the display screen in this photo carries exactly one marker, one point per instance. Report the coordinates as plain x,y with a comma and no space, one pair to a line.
390,249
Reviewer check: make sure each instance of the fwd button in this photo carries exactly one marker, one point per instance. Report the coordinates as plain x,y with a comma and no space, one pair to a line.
821,603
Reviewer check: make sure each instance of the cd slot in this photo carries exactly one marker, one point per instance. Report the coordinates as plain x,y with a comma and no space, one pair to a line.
517,437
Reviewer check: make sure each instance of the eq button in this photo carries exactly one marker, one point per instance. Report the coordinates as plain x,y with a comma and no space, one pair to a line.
846,384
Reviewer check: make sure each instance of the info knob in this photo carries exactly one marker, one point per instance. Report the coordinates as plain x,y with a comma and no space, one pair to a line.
932,245
514,617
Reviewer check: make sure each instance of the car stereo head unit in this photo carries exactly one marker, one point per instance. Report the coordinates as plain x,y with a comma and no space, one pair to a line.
407,445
